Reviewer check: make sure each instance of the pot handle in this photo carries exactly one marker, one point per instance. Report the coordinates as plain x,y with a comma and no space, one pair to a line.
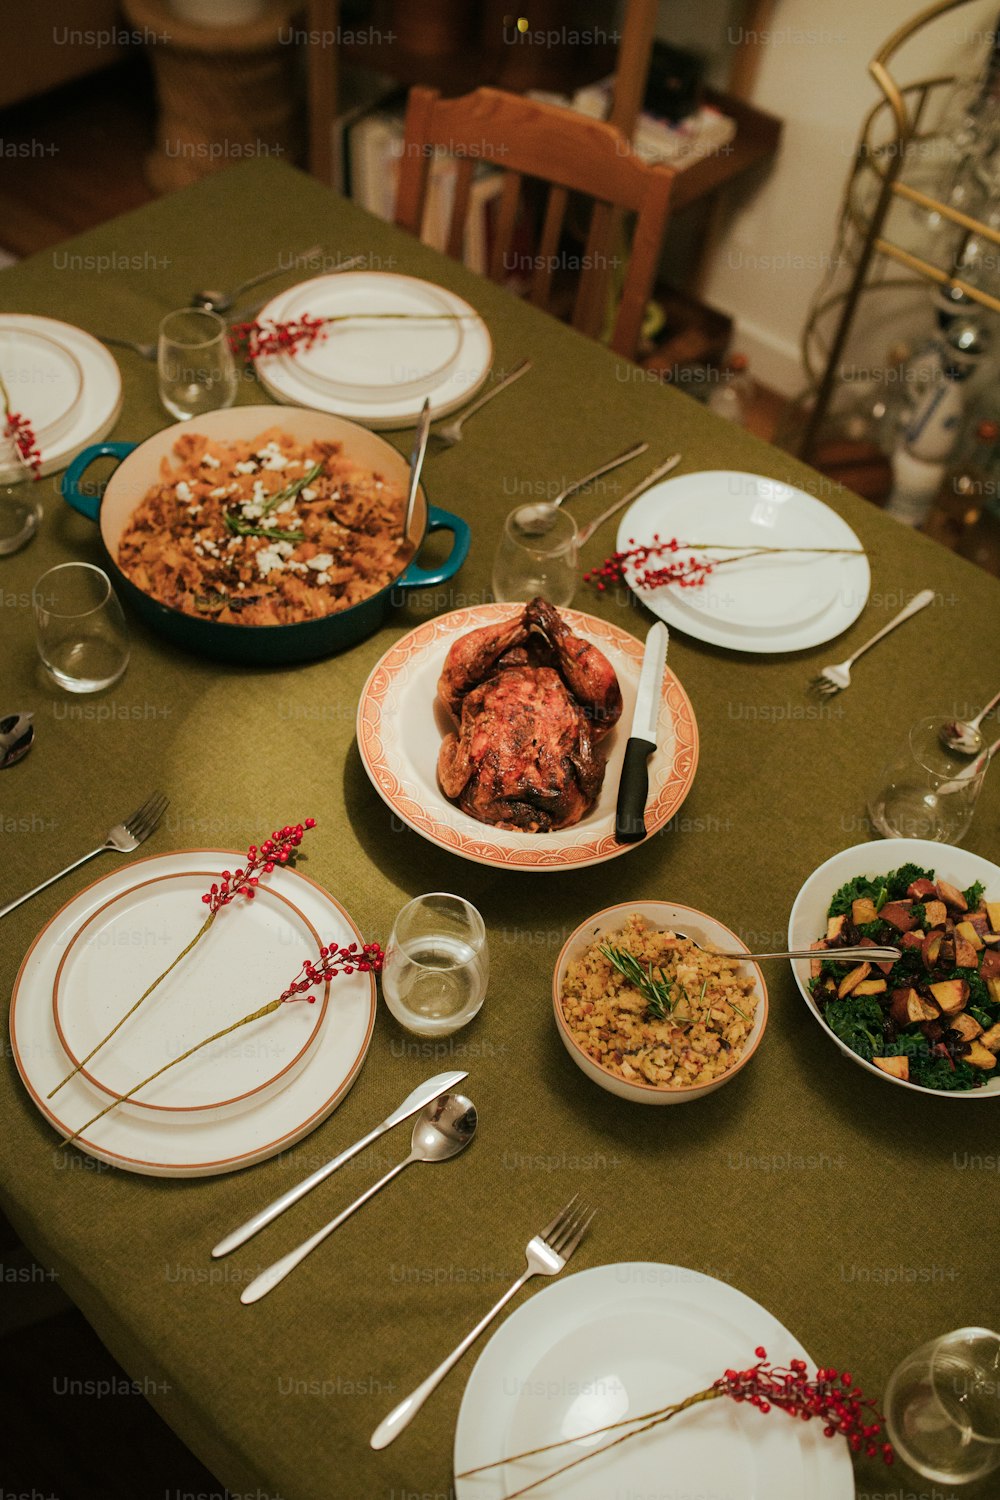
89,505
416,577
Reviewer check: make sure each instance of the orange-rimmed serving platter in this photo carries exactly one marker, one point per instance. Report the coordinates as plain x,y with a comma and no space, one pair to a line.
401,724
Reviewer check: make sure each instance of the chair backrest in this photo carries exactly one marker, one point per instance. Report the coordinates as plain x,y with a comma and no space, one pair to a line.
570,152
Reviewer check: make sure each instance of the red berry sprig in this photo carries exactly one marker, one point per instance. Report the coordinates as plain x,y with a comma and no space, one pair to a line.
332,961
19,429
690,572
830,1395
250,341
277,850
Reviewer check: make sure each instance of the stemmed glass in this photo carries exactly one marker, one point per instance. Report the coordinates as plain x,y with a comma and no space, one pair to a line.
942,1406
195,363
436,965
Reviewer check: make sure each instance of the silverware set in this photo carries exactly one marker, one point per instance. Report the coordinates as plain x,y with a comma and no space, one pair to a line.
445,1125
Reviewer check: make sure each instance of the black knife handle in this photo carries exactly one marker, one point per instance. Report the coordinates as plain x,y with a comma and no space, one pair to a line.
633,789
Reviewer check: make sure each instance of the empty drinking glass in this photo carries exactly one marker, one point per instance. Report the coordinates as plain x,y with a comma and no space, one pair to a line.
195,363
537,554
942,1406
926,792
436,965
80,630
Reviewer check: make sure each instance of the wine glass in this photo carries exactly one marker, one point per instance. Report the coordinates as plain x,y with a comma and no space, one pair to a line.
537,554
926,791
195,363
436,966
942,1406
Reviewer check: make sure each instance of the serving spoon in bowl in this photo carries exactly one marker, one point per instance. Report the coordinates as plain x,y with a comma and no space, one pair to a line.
872,954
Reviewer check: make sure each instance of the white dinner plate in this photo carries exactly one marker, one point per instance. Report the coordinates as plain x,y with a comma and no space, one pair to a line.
378,371
621,1340
199,1142
807,923
73,424
123,946
401,724
762,604
44,382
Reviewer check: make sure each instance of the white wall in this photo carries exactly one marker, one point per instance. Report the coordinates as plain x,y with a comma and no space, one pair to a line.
813,74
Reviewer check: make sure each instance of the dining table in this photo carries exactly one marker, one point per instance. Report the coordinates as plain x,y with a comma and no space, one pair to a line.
862,1215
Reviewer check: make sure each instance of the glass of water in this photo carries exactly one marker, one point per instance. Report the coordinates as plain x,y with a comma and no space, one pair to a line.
436,965
942,1406
195,363
927,792
537,554
80,630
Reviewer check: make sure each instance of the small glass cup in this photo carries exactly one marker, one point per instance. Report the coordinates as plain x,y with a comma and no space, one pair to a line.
80,630
195,363
537,554
437,964
942,1406
926,792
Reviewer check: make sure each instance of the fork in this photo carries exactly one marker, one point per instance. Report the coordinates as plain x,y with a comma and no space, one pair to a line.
149,350
546,1254
124,837
451,432
838,677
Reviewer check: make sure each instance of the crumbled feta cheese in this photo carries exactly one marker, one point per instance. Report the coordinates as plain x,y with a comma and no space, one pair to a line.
259,490
200,550
308,493
321,561
210,462
218,493
247,467
269,560
183,490
322,578
250,511
194,510
275,461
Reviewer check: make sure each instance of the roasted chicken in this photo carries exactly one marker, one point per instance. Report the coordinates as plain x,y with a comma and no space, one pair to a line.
531,701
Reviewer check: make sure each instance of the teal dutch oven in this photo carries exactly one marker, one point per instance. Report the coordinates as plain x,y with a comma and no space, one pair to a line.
139,470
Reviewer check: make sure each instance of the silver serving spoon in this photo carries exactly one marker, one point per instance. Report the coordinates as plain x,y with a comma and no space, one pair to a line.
440,1132
966,738
215,301
17,735
840,955
417,462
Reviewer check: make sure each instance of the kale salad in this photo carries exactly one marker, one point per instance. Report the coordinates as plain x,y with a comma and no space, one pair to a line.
932,1017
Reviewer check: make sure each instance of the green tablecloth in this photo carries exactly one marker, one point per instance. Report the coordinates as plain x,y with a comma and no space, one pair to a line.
853,1211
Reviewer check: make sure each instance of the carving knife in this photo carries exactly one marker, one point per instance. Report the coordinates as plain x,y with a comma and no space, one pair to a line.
411,1105
633,789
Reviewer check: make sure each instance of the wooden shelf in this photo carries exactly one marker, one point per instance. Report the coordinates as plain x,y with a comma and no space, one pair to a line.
757,138
469,68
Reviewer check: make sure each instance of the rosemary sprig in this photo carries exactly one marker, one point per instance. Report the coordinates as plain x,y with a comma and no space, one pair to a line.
290,491
273,533
655,992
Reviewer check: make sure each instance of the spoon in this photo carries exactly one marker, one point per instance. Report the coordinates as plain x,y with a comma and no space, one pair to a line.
966,738
417,462
538,519
17,735
872,955
215,301
440,1131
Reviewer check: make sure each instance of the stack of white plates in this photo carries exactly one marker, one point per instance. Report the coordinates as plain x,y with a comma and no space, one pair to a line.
63,381
764,604
373,367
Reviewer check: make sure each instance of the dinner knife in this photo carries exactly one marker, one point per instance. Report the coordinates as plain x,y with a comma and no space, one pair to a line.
633,789
411,1105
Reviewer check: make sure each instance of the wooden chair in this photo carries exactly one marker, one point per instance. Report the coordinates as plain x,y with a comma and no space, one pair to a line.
570,152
